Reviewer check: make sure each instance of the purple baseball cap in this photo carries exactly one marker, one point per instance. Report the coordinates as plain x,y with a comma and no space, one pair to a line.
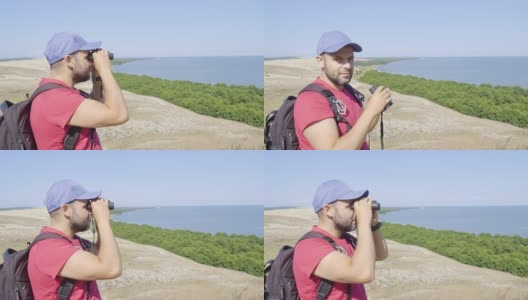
333,190
65,43
333,41
66,191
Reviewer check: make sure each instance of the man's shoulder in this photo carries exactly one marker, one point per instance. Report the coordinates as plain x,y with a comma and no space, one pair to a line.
317,240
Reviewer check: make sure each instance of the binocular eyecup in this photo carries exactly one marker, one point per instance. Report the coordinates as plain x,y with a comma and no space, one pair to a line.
90,56
110,204
373,89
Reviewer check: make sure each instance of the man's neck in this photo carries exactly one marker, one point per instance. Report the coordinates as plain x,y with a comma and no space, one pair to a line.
330,228
66,79
64,228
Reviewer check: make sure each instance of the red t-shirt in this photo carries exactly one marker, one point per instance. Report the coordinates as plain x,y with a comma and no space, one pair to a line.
307,255
46,260
311,107
50,113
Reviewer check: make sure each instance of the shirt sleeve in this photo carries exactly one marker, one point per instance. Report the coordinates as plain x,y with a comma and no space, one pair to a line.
311,107
308,253
51,255
60,106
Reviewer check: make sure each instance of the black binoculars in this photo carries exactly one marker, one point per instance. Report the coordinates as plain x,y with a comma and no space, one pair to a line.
110,204
373,89
376,205
90,56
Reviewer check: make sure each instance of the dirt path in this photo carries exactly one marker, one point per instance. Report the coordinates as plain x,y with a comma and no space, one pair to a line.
148,272
411,123
154,123
410,272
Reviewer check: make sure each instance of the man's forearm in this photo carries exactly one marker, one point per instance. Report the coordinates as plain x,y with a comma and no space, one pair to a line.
96,93
113,97
382,252
364,255
354,139
108,249
374,122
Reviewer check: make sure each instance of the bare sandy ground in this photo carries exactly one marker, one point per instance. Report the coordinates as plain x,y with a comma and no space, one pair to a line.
154,123
148,272
411,123
410,272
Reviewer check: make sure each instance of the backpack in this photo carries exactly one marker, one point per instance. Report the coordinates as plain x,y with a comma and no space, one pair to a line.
279,132
279,281
15,125
14,278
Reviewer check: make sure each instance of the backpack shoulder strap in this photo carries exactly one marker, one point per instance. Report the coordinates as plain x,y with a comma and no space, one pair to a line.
332,101
46,236
67,284
45,87
73,133
352,240
325,286
357,94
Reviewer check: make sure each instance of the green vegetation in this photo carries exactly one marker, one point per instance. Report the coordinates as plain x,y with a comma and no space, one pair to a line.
122,210
237,103
120,61
377,61
503,253
500,103
236,252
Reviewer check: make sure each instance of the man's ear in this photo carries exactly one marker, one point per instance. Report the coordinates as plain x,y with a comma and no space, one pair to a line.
66,210
329,210
68,60
320,60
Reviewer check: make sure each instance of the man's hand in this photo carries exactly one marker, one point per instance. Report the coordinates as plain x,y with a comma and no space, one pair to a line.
363,211
101,61
100,210
378,100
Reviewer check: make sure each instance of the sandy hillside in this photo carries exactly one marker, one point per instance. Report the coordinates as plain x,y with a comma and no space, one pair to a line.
410,272
153,124
148,272
411,123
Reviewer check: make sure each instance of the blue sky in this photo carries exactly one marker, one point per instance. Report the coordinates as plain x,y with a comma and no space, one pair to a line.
136,178
402,178
136,28
400,28
145,178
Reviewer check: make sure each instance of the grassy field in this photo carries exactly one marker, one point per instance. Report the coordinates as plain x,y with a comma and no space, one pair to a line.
236,252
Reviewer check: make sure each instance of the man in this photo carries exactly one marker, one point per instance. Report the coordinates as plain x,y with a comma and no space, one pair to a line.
340,210
52,260
55,111
315,125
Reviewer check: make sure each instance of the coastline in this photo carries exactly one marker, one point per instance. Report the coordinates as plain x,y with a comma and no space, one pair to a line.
148,272
410,272
154,123
412,123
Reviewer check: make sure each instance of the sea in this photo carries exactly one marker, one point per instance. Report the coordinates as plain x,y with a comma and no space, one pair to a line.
505,71
496,220
230,70
241,220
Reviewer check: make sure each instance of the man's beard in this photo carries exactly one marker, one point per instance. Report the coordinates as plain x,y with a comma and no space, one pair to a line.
81,77
343,225
337,80
78,225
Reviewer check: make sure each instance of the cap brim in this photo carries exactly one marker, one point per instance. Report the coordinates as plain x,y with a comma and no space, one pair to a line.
91,46
335,48
90,195
354,195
